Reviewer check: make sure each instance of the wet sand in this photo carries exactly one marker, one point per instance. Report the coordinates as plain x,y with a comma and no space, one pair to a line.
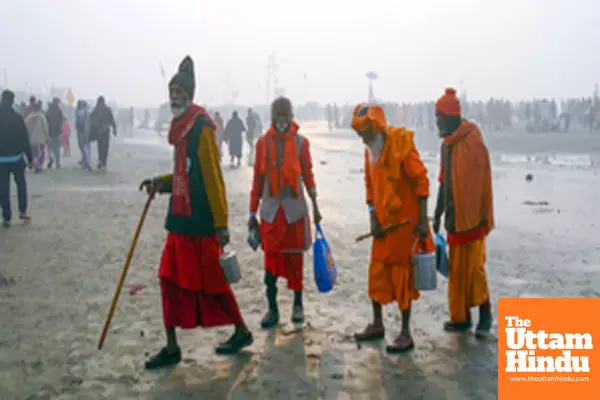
59,275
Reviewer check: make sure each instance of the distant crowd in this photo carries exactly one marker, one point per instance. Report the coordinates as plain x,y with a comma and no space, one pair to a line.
50,131
545,115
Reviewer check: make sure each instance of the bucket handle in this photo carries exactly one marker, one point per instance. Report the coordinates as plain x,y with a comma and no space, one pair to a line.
415,247
319,230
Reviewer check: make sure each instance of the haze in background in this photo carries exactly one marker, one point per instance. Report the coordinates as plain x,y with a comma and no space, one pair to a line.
517,49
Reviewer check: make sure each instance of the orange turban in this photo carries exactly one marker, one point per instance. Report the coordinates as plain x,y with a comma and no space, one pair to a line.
449,104
367,117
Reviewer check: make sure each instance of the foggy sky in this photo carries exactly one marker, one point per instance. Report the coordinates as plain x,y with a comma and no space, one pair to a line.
517,49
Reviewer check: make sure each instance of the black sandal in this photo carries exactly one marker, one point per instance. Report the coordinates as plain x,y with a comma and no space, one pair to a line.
395,349
368,334
164,359
235,343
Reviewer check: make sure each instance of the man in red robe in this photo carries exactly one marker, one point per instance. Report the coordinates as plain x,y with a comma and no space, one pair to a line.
193,285
282,169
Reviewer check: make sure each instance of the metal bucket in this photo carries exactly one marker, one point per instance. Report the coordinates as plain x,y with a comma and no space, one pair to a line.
425,270
230,266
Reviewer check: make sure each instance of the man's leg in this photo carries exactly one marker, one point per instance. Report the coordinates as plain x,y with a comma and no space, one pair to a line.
460,314
167,356
404,341
171,353
102,149
271,318
18,171
106,149
380,292
294,267
467,287
5,193
80,144
242,336
56,148
172,345
376,329
49,154
87,153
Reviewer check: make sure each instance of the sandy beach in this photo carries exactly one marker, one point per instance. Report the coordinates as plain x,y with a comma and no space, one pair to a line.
58,276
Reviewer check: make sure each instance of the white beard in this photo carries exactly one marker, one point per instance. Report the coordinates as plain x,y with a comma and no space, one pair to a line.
375,149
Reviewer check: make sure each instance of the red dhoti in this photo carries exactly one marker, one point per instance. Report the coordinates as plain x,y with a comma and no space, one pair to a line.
193,286
284,245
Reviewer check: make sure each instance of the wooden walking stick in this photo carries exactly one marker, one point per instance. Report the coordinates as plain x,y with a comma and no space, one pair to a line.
386,229
124,273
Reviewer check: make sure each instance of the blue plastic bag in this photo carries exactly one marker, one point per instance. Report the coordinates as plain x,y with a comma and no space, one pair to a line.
324,266
441,254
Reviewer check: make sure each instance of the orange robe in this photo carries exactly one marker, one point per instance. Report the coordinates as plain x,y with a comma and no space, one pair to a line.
283,243
394,186
468,181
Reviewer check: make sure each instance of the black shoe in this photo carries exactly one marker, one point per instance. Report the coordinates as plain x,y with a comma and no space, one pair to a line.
164,359
450,326
298,314
270,319
235,343
6,224
484,326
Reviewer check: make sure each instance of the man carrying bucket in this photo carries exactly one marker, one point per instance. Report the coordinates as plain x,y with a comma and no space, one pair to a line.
193,286
465,198
397,189
282,169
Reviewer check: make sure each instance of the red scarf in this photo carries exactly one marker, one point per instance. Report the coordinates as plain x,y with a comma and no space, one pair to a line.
178,133
290,169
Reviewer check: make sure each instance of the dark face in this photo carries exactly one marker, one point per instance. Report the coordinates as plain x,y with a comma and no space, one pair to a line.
447,125
281,115
442,123
368,137
177,96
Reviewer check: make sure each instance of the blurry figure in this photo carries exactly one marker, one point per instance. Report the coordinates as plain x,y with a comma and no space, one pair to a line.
233,132
39,135
82,127
251,131
101,121
335,113
131,120
545,112
55,120
14,146
220,132
30,107
66,138
22,108
146,121
329,117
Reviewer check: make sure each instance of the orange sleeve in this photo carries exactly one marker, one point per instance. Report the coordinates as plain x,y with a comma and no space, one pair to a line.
306,163
368,187
417,172
258,180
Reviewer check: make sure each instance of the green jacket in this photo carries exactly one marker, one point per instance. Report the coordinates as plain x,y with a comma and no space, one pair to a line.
207,189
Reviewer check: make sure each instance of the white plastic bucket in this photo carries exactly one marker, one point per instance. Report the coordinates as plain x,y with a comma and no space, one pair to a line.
230,266
425,270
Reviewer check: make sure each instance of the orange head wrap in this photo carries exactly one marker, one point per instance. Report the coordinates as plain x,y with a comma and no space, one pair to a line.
367,117
449,104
